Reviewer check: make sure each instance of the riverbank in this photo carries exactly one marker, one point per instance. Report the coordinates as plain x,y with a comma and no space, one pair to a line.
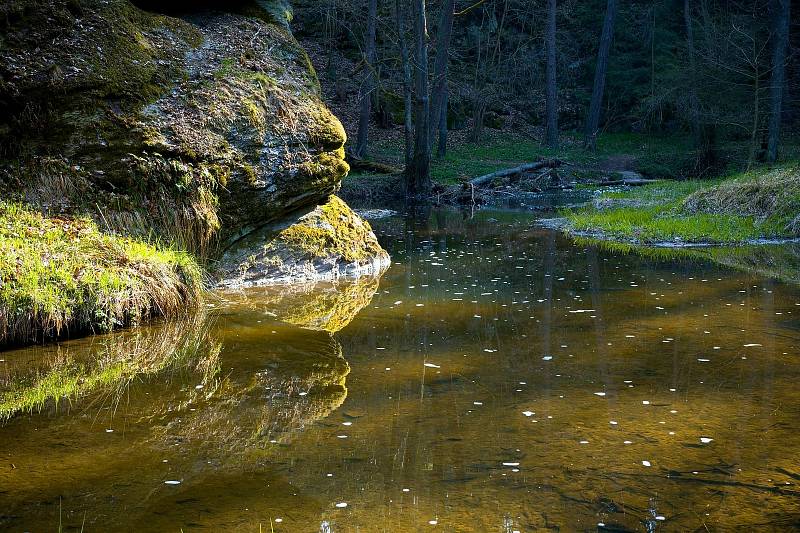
63,276
743,208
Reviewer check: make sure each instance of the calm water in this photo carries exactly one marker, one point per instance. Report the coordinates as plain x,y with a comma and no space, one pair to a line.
499,377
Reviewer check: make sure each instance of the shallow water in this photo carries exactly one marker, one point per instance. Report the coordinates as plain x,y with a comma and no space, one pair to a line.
499,377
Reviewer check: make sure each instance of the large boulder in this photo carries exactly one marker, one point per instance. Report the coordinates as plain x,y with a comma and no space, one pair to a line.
198,129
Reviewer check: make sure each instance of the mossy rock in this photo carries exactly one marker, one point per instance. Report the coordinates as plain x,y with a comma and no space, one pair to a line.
328,242
194,129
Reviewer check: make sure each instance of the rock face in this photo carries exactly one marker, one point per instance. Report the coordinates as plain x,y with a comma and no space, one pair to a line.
198,129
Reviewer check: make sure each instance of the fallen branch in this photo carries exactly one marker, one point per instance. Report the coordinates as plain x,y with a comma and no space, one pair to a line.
528,167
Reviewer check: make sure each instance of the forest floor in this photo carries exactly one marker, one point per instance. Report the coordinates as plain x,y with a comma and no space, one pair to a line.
63,275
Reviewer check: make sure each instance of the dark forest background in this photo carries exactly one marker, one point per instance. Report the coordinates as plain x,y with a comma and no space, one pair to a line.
722,77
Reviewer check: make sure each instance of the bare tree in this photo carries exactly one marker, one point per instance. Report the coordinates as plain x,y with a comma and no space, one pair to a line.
368,86
593,119
694,105
444,36
418,175
551,96
408,90
778,76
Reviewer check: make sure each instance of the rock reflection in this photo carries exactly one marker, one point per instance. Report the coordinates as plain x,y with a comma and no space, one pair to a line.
257,404
181,405
323,306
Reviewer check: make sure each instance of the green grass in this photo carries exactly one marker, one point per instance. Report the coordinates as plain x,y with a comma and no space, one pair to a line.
63,276
743,207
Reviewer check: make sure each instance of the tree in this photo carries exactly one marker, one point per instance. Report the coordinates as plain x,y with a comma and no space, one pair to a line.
593,119
368,86
551,92
408,90
439,107
694,105
418,175
778,76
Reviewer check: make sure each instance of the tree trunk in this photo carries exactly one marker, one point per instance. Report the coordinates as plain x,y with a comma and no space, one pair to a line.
368,85
441,150
756,117
551,97
418,178
408,90
440,66
694,106
778,76
595,106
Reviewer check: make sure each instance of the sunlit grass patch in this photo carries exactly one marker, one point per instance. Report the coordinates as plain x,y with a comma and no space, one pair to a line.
659,224
63,276
744,207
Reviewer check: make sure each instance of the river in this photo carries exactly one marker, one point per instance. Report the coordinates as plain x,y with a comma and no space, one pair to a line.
499,377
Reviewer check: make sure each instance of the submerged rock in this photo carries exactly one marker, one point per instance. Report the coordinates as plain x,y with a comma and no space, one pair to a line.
328,242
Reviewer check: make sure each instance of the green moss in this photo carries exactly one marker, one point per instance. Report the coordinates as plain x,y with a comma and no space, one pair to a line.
226,68
325,168
250,174
326,131
334,230
59,275
255,114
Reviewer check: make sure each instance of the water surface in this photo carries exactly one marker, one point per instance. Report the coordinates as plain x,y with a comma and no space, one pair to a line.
499,377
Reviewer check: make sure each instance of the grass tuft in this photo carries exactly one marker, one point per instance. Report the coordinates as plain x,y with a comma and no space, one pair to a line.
62,276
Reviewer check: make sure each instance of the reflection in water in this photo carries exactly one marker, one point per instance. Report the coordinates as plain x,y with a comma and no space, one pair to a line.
502,378
322,306
176,404
55,375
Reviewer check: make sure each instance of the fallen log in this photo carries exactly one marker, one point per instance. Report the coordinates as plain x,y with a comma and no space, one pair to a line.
366,165
528,167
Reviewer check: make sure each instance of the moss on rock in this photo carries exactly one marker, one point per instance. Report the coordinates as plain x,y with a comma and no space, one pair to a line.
328,242
195,129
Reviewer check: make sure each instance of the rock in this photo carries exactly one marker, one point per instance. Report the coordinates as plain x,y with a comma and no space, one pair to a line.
328,242
196,130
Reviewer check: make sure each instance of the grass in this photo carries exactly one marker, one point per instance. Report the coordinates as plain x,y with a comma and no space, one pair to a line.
741,208
62,275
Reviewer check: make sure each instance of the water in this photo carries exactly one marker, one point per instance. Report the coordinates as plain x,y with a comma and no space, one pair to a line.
499,377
